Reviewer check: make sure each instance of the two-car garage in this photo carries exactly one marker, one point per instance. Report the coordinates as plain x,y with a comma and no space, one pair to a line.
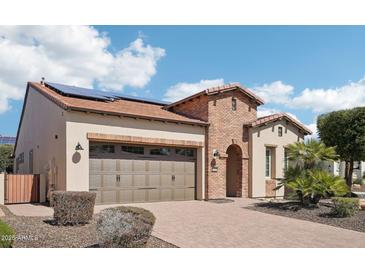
125,173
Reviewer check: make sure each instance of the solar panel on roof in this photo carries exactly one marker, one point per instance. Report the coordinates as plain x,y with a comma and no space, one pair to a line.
7,140
93,94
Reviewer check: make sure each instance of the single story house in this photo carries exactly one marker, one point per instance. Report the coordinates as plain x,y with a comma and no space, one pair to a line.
209,145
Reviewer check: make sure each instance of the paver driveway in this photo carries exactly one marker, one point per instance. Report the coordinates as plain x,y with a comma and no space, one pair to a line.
205,224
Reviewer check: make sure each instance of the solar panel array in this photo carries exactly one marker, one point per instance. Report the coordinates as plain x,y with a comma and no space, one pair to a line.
98,95
7,140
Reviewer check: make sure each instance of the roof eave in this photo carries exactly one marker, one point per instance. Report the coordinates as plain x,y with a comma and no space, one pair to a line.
197,123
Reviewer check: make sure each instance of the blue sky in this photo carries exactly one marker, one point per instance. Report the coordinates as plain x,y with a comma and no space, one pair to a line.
301,70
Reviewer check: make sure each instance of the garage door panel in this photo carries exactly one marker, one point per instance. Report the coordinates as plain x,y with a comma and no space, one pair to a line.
179,180
154,166
126,180
139,166
190,168
139,196
153,195
189,180
98,197
189,193
166,167
166,180
141,179
109,196
166,194
179,167
126,166
154,180
126,196
109,165
95,181
179,194
109,181
95,165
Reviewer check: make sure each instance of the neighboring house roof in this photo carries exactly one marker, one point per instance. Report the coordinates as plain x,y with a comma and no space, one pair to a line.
121,106
279,116
219,89
7,140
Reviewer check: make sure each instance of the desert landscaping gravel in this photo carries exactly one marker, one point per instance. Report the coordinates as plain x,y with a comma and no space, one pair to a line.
320,214
41,232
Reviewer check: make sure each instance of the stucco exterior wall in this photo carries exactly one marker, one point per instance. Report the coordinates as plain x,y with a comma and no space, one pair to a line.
43,130
79,124
268,136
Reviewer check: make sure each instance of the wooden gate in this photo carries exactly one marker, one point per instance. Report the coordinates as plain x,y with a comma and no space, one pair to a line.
21,188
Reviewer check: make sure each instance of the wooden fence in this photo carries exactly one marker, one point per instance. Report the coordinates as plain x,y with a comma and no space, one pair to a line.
22,188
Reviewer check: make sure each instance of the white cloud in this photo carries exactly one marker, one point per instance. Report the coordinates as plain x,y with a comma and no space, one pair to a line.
324,100
275,92
133,66
76,55
313,128
262,111
182,90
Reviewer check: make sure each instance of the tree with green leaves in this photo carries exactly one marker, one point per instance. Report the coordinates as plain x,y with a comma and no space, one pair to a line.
345,130
305,175
6,160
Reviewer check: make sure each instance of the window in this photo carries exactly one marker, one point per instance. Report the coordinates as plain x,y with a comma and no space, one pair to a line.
102,148
234,104
21,158
31,161
160,151
134,150
286,159
280,131
268,163
188,152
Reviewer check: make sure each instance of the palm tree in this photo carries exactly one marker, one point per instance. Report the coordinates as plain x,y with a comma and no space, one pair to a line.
310,153
305,176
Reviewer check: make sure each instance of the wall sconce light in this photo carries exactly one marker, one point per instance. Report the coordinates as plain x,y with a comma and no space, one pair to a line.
78,146
215,153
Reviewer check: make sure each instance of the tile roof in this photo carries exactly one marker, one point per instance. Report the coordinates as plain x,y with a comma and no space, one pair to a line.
278,116
117,107
224,88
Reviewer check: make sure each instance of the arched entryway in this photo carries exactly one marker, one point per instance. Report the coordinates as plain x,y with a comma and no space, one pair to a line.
234,171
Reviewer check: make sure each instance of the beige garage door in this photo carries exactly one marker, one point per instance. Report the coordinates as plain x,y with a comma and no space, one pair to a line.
133,174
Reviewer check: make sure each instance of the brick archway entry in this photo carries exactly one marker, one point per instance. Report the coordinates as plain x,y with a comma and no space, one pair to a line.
234,171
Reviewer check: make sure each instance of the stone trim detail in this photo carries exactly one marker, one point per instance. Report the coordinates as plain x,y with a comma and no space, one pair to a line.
141,140
269,188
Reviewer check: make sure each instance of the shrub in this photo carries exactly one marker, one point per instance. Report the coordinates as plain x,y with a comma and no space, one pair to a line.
358,181
344,206
312,185
73,207
6,235
124,227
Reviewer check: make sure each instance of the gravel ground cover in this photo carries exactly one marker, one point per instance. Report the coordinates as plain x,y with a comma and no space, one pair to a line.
41,232
320,214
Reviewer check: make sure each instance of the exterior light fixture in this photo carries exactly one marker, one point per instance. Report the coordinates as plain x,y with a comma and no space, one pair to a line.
216,153
78,147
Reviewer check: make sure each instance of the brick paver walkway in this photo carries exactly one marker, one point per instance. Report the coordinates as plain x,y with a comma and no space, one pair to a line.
205,224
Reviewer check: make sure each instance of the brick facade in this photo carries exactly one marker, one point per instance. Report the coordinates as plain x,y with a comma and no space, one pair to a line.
226,127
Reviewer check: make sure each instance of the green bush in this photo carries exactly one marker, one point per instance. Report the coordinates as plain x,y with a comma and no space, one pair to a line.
6,235
124,227
358,181
73,207
345,207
